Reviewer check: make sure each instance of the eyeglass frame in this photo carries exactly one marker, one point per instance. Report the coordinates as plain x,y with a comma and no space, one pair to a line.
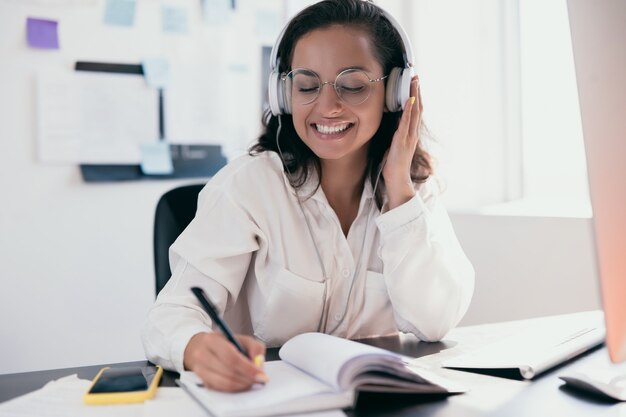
334,83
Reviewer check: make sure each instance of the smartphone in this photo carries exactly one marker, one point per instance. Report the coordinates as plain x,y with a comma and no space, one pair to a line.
123,385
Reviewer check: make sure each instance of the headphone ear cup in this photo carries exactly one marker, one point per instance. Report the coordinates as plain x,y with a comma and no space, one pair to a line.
398,88
286,90
391,92
275,93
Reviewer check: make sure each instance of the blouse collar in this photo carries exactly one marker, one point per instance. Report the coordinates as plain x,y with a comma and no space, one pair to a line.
311,188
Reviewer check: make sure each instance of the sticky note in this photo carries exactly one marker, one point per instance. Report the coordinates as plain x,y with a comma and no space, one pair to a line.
156,158
217,12
174,19
156,71
42,33
119,12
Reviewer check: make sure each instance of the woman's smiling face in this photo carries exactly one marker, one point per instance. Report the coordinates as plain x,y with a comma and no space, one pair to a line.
331,128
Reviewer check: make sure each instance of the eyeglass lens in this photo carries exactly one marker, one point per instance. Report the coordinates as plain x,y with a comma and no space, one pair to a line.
352,86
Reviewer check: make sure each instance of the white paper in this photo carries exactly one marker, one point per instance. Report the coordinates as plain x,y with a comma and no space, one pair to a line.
95,118
64,398
195,106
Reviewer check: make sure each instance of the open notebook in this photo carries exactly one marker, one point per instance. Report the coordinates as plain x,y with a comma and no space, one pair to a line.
319,372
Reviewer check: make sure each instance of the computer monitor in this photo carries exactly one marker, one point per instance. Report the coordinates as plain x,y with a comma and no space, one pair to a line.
598,30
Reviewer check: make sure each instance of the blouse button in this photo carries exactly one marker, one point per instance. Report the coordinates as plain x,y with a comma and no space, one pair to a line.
345,273
337,317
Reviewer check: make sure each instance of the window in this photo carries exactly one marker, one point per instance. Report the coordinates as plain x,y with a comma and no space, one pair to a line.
467,57
500,97
555,176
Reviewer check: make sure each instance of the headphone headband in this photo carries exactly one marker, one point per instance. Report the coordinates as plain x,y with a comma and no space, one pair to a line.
397,84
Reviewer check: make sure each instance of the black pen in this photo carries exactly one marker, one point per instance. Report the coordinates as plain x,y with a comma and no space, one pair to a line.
212,311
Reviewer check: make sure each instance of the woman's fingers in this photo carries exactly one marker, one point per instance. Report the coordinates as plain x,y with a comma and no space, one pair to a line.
256,350
416,109
409,122
405,121
232,363
220,365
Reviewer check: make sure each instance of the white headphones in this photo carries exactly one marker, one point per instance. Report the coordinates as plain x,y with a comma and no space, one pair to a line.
398,83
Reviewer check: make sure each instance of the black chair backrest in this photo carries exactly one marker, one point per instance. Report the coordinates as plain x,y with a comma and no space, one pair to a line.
175,210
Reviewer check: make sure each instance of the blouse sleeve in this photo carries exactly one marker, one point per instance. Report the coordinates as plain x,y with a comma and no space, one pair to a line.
210,253
429,279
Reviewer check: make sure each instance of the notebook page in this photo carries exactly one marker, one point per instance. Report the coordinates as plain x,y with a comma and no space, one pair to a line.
285,385
324,356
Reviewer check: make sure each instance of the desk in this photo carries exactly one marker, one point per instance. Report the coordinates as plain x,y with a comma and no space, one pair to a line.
546,395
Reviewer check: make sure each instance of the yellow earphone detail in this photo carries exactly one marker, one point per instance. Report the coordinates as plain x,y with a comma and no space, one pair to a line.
123,385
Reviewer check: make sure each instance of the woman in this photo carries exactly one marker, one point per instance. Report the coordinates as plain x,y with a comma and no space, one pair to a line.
330,224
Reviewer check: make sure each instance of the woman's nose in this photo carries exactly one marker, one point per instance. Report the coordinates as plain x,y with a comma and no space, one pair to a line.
328,100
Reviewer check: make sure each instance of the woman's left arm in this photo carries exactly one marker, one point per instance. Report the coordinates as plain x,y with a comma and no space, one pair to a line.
429,278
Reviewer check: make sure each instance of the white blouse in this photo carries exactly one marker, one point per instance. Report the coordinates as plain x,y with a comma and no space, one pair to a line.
250,249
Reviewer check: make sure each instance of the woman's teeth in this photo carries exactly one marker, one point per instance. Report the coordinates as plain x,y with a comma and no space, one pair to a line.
329,130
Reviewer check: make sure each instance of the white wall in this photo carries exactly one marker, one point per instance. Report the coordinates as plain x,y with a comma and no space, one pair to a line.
528,266
76,259
76,275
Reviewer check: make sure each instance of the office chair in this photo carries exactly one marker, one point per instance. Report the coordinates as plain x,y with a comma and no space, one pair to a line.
175,209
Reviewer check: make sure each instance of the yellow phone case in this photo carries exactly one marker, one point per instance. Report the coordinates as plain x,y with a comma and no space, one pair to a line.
101,398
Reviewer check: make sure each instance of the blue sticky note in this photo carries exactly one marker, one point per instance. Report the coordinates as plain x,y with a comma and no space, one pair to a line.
156,159
216,12
156,71
174,19
42,33
120,12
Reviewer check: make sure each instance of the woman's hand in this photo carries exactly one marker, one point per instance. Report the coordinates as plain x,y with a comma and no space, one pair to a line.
399,156
221,366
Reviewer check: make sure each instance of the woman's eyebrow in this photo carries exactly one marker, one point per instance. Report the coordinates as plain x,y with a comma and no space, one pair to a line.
340,70
355,67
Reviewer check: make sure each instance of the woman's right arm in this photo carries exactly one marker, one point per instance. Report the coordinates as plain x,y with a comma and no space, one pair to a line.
212,253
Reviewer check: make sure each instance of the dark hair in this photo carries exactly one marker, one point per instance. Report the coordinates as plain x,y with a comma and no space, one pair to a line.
388,50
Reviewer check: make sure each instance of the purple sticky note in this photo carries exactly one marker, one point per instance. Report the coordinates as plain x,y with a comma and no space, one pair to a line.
42,33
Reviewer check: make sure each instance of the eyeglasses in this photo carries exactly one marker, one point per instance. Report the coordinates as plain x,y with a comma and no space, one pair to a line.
353,86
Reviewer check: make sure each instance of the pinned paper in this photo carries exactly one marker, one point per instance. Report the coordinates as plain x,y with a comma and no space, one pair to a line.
42,33
174,19
120,12
156,159
156,72
94,117
216,12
